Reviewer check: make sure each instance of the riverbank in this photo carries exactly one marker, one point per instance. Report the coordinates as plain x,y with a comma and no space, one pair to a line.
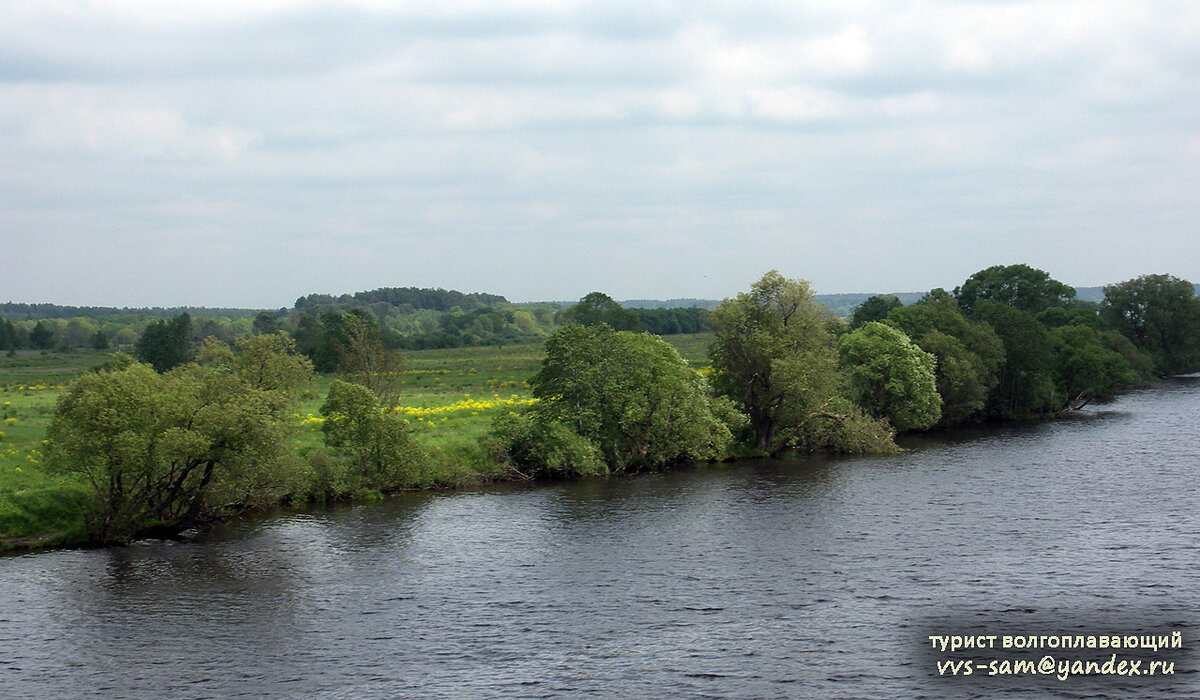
449,398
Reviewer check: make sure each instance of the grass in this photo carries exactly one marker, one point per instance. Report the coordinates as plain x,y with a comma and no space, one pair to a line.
449,398
36,508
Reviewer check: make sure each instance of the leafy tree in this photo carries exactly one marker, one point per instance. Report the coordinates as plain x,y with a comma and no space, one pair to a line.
774,354
99,341
597,308
42,337
890,376
166,344
173,450
629,394
8,335
376,440
1026,387
1161,315
876,308
969,354
531,446
266,323
1085,369
267,361
363,359
1020,286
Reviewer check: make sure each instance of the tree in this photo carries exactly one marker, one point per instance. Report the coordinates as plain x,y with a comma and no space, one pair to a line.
170,451
968,353
1161,315
42,337
773,353
1085,369
363,359
629,394
1020,286
267,361
377,440
1026,387
8,335
597,308
166,344
266,323
890,376
99,341
876,308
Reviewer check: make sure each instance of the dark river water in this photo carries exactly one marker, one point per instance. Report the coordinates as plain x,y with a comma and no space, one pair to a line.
801,578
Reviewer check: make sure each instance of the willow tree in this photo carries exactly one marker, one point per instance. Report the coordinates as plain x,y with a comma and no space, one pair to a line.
774,354
179,449
631,395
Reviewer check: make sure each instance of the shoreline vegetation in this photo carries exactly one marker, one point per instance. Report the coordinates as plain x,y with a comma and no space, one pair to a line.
113,429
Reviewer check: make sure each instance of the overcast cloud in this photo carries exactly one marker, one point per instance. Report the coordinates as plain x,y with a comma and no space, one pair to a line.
246,153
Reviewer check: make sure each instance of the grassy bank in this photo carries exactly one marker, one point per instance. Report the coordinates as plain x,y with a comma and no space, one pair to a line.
449,399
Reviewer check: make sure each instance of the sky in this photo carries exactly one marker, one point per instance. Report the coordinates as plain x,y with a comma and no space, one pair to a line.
245,153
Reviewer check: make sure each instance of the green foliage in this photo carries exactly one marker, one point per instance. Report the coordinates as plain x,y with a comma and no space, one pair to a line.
630,394
266,323
1026,387
1020,286
1160,314
166,344
8,335
41,337
377,441
876,308
843,428
597,308
531,446
269,362
774,355
363,359
1085,368
890,377
968,353
176,450
673,321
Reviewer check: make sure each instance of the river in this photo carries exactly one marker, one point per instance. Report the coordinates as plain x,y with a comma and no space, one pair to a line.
799,578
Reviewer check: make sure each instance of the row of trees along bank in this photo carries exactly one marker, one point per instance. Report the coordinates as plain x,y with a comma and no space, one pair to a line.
207,437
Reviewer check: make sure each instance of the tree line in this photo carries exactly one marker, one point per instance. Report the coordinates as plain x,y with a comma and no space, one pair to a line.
181,435
1010,343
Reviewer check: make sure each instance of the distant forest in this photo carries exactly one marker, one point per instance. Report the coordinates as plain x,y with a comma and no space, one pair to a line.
407,317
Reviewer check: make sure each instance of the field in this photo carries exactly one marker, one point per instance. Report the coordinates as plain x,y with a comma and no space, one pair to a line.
448,396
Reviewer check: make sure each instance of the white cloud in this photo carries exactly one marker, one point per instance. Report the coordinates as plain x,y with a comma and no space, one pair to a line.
726,128
67,121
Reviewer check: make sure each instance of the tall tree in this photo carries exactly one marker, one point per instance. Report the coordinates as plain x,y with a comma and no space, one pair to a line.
42,337
874,309
363,359
1026,387
166,344
774,354
1161,315
596,308
1020,286
969,354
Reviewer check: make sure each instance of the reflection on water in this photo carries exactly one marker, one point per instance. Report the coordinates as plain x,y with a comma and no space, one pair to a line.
809,577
